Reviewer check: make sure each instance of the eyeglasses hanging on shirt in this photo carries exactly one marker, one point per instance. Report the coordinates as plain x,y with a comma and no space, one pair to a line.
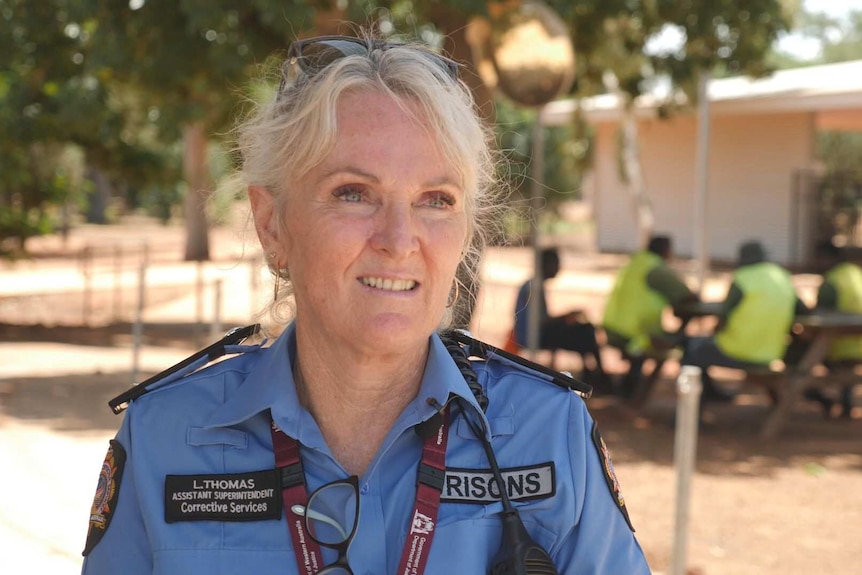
331,516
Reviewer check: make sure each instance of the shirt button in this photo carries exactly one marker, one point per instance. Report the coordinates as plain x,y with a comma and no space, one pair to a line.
364,488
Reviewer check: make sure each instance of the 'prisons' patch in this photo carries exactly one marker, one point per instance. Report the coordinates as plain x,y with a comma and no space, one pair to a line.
478,486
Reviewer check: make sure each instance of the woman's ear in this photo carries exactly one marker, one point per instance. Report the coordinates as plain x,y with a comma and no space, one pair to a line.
263,209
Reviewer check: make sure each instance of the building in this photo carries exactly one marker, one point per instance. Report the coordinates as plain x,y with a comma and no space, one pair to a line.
762,175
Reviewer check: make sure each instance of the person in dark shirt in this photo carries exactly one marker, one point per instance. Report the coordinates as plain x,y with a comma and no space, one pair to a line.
571,331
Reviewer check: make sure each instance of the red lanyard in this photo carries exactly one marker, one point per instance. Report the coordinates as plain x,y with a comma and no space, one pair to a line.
429,479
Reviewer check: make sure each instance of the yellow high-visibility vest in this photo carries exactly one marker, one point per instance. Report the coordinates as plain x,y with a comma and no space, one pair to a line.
847,280
757,329
634,309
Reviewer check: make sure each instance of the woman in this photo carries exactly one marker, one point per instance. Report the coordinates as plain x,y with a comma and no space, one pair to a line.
368,176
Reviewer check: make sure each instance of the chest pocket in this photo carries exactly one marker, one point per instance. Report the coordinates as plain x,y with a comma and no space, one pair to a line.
201,436
224,562
501,424
470,545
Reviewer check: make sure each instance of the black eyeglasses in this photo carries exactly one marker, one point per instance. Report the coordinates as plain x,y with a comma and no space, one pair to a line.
331,517
311,55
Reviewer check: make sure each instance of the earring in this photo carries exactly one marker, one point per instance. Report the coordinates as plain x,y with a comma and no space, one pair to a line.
453,299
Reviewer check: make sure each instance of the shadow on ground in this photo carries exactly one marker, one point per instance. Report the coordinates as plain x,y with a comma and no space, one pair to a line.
166,334
65,403
729,441
728,445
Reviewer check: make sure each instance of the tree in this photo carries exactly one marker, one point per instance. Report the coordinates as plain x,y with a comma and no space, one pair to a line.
841,40
190,58
610,38
55,119
714,37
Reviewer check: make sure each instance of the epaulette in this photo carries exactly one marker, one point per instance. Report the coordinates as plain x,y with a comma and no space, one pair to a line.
234,337
484,350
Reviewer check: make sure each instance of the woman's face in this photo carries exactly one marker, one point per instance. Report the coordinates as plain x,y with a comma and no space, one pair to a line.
373,235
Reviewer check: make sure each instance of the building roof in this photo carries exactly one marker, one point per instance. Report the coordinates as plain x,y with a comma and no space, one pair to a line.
830,87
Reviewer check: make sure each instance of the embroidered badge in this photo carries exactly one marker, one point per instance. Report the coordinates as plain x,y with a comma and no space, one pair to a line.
478,486
107,494
610,474
252,496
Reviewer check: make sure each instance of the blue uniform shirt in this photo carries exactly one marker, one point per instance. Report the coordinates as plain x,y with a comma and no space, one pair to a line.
216,421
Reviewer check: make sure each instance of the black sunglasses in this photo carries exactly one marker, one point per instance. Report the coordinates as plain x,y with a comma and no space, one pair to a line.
311,55
331,517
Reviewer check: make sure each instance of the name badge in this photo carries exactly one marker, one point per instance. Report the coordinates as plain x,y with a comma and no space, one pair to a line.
252,496
478,485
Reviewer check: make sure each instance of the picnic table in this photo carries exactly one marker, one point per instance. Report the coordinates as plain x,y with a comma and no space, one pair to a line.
819,327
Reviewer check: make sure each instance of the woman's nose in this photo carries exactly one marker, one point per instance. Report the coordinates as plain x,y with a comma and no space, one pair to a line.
396,232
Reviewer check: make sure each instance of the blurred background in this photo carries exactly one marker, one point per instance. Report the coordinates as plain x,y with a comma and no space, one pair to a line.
124,247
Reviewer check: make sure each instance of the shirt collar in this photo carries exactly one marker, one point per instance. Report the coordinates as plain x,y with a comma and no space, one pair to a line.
270,385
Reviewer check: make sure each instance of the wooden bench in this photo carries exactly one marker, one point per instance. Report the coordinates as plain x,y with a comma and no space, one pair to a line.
771,377
641,389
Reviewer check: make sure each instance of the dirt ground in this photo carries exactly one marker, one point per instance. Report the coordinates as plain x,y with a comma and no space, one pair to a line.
789,506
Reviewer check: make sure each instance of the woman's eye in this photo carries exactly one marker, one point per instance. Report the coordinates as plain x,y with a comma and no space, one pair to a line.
441,200
349,193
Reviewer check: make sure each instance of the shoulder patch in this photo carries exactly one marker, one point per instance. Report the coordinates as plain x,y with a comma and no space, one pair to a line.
107,494
610,474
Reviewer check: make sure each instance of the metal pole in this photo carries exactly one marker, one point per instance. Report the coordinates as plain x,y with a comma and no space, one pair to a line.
138,326
537,169
700,231
118,290
87,267
215,326
199,301
688,388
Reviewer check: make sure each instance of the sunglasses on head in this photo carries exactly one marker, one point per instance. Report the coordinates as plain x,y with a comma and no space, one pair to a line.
311,55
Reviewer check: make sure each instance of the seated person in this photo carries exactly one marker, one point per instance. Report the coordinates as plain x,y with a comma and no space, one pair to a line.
841,290
754,323
571,332
633,314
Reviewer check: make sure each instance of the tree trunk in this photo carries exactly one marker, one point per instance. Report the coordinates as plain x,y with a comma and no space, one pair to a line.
634,175
331,22
631,161
98,200
455,25
196,171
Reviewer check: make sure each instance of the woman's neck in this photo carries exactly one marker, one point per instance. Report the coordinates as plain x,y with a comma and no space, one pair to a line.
355,401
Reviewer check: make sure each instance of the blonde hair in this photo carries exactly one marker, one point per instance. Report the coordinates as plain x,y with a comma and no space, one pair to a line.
288,136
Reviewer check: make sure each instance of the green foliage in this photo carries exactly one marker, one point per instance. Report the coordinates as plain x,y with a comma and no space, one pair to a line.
840,152
565,157
119,79
731,36
841,39
56,115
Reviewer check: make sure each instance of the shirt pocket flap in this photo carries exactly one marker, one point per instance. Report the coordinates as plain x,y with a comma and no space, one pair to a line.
199,436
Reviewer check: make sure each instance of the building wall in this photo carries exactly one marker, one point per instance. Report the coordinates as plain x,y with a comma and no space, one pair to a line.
752,162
